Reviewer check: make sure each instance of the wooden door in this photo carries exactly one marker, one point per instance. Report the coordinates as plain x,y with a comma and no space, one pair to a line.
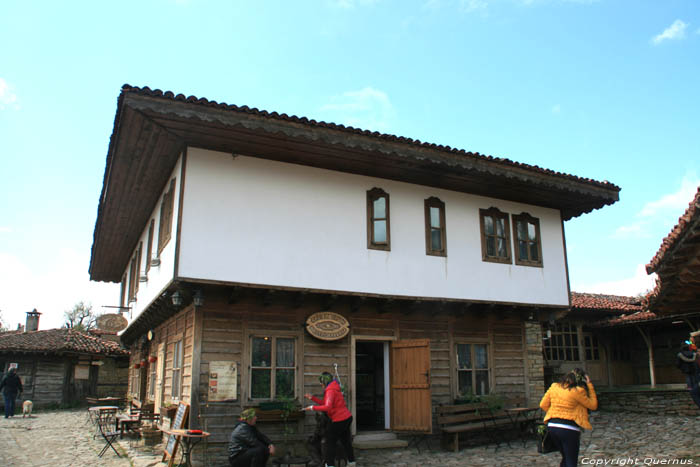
160,372
410,386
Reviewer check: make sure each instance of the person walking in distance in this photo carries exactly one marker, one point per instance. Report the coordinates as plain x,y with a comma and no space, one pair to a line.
333,404
11,387
566,404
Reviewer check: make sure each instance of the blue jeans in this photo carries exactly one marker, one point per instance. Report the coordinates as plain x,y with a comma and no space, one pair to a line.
9,404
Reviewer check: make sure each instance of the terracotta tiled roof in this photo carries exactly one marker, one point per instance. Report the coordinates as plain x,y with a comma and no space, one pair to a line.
146,91
678,231
59,341
638,317
601,302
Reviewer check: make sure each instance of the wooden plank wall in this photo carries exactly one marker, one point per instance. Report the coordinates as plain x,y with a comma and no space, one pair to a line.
226,325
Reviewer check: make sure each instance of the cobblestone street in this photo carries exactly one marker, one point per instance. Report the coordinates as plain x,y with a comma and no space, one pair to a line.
63,438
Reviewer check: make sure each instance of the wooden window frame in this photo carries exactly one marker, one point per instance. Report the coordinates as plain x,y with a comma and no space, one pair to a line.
489,367
149,246
372,196
591,347
434,202
132,281
176,369
273,364
165,224
152,371
496,214
137,279
525,217
556,346
123,298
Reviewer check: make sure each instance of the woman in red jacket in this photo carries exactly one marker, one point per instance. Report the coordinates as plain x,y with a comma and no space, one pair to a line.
339,429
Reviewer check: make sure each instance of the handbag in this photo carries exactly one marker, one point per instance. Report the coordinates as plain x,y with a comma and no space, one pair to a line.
545,443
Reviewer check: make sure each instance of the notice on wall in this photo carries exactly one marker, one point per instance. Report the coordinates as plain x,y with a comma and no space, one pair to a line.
223,381
82,372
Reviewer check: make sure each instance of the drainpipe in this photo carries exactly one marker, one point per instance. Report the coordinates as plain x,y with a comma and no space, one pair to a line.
647,340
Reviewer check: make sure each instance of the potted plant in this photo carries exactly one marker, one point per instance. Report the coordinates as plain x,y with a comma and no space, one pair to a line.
290,407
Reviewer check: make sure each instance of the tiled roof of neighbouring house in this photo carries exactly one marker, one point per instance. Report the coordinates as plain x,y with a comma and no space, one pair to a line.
59,341
684,223
602,302
627,319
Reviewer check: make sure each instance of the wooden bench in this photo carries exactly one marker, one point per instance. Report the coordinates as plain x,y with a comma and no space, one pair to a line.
474,417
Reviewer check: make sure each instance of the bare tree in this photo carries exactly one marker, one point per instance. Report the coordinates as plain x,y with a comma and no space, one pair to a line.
3,324
80,318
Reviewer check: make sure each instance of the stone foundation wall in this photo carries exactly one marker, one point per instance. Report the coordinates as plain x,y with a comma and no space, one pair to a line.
534,362
660,401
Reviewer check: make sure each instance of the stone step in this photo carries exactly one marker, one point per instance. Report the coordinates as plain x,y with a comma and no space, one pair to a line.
380,444
374,435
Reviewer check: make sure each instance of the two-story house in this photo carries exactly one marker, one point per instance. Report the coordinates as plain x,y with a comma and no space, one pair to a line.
256,250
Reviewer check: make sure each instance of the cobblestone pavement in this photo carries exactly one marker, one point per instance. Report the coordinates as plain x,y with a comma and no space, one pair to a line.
63,438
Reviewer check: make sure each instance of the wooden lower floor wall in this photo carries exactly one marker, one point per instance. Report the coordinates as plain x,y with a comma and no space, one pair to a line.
222,331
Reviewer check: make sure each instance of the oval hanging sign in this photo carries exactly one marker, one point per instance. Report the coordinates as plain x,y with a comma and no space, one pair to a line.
112,322
327,326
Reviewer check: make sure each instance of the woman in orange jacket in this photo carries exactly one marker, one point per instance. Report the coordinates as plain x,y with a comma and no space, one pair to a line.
567,403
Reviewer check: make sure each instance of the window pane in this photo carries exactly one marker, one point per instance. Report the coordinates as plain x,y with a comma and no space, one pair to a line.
588,354
532,232
379,232
380,208
435,217
481,356
482,382
260,384
522,249
522,230
465,382
534,254
491,246
575,353
435,240
488,225
500,227
284,383
262,351
285,352
502,248
464,356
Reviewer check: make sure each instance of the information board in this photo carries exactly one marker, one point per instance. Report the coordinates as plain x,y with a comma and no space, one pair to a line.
223,381
178,423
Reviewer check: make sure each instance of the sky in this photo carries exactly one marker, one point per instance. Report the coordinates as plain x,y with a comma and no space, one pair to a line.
605,89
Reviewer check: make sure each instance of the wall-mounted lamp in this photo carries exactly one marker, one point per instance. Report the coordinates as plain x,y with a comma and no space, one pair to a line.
176,297
198,298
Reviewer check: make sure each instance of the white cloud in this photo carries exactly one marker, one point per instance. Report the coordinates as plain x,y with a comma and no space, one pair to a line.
677,201
51,290
673,32
8,98
470,6
367,108
640,282
4,229
666,209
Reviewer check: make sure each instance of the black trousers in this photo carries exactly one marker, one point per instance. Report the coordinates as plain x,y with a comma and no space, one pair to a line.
339,431
253,457
568,443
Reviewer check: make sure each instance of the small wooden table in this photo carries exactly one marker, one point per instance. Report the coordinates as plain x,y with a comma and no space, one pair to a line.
188,441
523,419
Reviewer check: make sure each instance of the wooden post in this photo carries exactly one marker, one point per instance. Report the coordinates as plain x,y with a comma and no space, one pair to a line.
647,340
196,363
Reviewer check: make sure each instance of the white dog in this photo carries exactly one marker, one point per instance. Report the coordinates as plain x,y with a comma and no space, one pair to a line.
27,409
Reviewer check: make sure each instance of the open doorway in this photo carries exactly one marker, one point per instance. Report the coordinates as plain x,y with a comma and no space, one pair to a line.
371,388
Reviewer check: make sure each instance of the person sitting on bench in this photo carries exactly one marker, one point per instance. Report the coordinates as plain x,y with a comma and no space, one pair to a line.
248,447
